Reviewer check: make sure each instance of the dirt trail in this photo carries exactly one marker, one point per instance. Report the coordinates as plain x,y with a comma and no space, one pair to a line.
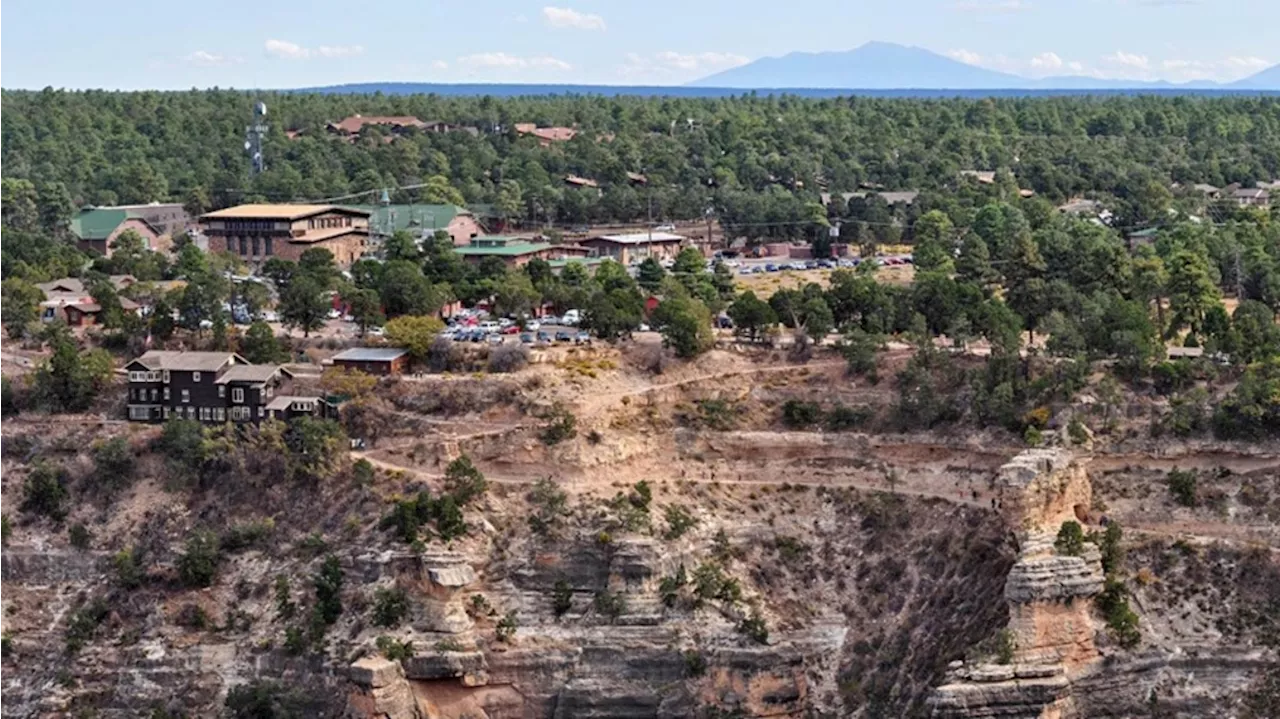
870,486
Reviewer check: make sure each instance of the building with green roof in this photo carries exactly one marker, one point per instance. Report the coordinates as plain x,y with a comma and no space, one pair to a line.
96,228
516,251
422,221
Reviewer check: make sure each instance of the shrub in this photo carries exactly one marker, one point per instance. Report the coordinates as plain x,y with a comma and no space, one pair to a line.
842,418
695,664
1077,431
790,550
79,536
506,628
550,502
6,530
328,585
508,358
113,463
754,628
268,700
394,649
464,481
798,415
669,587
679,521
390,606
285,607
247,534
45,493
1182,485
1113,602
561,425
1033,437
1070,540
83,624
192,616
363,472
1111,549
1006,645
610,604
448,644
1038,418
128,567
449,521
198,564
561,597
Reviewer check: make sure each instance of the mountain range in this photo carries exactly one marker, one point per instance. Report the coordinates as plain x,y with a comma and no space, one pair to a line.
882,65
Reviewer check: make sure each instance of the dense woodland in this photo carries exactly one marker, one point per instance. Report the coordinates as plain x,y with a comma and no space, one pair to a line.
990,263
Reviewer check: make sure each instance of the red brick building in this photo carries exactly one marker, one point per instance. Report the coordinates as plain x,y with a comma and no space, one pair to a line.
257,233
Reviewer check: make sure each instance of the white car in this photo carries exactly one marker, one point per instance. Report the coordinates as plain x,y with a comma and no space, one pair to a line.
334,314
532,326
489,326
665,228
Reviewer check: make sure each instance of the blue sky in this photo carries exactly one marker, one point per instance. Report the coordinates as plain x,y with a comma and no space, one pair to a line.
136,44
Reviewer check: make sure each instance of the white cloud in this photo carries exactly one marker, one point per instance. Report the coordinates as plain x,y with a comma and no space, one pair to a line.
670,64
204,58
1126,59
503,60
294,51
564,17
1075,66
966,56
439,65
1047,61
1247,63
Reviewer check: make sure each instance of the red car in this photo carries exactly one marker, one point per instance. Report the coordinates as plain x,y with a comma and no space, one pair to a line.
511,330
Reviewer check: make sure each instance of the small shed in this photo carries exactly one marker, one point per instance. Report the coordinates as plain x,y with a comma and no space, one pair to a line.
381,361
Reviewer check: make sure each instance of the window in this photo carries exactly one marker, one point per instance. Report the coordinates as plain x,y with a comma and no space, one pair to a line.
267,242
222,391
167,412
155,394
137,413
191,413
166,394
237,394
244,245
205,414
186,395
262,411
269,391
166,376
256,245
220,414
135,376
195,376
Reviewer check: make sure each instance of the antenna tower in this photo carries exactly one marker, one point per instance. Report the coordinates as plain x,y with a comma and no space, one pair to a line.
253,136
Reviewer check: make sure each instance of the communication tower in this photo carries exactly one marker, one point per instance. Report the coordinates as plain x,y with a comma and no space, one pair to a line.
253,136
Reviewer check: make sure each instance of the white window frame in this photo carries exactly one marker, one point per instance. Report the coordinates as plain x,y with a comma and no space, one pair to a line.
195,376
168,412
186,396
237,395
222,391
220,414
166,376
166,394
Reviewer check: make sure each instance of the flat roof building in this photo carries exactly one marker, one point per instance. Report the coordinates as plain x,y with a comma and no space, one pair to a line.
636,246
383,361
256,233
516,251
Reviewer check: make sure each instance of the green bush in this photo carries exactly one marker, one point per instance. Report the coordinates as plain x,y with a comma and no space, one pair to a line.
464,481
328,586
1077,431
550,503
1070,540
561,425
754,628
506,628
45,492
610,604
198,563
1113,602
268,700
669,587
394,649
128,565
679,521
390,606
1006,645
842,418
561,598
798,415
113,463
1182,485
695,664
79,536
84,623
247,534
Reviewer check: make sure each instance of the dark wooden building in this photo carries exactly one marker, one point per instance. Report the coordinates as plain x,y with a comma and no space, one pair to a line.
206,386
382,361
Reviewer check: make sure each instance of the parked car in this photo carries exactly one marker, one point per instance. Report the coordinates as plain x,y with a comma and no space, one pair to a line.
510,330
489,326
533,325
334,314
477,335
643,327
563,336
526,338
770,267
544,336
571,317
493,338
583,337
665,228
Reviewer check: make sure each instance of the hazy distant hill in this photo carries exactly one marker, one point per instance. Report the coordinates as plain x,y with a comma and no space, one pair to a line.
875,65
880,65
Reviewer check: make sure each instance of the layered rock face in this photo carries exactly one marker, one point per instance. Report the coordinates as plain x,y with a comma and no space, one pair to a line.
1050,637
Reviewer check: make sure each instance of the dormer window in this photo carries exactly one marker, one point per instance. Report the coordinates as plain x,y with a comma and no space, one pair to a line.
195,376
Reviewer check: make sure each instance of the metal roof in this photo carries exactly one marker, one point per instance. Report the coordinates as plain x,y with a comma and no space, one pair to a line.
510,248
249,373
278,212
282,402
371,354
187,361
386,219
638,238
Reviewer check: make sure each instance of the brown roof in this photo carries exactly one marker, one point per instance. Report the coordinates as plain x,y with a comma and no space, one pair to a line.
356,123
73,284
552,134
636,177
581,181
328,234
277,212
188,361
254,373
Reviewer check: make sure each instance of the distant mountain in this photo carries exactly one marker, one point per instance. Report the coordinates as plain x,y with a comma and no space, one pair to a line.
884,66
875,65
1268,79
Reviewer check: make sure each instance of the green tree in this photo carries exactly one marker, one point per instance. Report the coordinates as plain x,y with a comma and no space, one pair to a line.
304,305
685,324
328,590
933,242
260,345
464,481
401,246
21,301
689,262
650,274
414,333
198,563
1191,290
366,308
751,315
1258,335
45,491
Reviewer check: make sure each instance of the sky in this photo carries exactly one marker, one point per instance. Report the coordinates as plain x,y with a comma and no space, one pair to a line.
144,44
